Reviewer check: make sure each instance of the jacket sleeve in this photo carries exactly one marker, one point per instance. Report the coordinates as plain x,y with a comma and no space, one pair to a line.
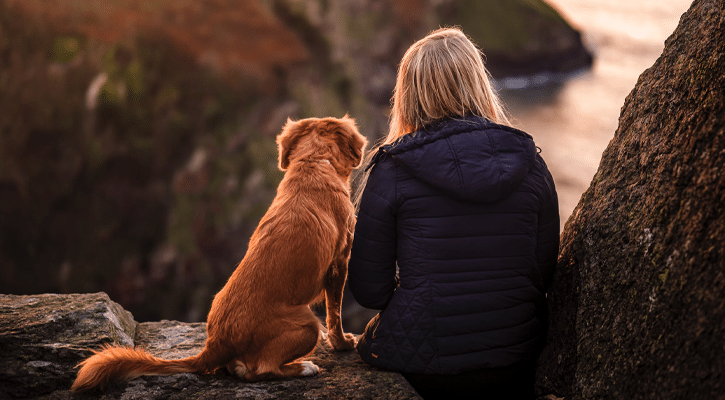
371,271
547,243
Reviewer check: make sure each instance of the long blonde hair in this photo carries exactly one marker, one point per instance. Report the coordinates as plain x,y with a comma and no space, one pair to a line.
440,76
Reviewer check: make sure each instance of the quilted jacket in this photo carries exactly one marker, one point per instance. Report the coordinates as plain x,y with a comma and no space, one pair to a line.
456,242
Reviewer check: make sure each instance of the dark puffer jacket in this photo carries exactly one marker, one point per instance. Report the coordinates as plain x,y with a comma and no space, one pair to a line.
468,211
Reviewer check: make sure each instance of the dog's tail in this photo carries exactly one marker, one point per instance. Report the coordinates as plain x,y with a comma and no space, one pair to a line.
115,363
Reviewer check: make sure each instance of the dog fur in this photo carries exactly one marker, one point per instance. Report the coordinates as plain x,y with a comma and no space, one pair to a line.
260,323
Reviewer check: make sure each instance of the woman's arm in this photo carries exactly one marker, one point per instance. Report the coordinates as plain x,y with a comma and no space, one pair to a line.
547,243
371,271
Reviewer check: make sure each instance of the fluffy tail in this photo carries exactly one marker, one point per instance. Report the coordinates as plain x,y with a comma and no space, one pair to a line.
114,363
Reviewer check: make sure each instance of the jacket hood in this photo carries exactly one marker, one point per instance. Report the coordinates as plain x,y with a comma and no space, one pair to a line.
470,159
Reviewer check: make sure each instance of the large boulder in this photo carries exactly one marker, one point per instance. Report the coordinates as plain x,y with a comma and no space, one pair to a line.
637,302
43,338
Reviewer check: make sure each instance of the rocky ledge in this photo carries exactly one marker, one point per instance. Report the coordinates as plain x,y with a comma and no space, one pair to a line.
43,337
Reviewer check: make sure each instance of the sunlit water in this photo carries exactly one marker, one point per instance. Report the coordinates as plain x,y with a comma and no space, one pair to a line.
574,121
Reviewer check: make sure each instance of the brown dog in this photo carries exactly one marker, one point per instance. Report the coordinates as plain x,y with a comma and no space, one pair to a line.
260,323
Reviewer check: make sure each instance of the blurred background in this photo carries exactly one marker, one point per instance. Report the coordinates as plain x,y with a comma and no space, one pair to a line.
137,147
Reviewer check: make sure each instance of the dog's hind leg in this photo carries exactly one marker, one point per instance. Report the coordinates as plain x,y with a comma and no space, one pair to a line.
277,358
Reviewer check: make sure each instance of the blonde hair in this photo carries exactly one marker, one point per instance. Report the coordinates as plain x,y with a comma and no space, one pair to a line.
440,76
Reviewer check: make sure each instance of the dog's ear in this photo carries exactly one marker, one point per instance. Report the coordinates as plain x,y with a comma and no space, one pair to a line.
353,142
287,140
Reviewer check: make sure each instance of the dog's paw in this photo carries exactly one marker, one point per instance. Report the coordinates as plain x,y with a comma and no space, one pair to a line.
309,369
347,342
238,368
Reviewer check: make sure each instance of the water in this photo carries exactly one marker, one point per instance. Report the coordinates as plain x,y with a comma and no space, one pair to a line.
573,121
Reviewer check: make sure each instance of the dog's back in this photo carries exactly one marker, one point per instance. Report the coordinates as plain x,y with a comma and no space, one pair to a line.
291,249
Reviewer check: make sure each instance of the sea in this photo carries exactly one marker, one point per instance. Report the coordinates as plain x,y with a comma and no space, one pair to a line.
573,118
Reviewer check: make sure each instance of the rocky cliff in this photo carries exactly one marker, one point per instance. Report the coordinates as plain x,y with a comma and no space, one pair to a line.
43,337
137,137
637,300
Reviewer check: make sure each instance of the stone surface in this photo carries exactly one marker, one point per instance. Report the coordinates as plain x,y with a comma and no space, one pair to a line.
638,299
43,337
47,335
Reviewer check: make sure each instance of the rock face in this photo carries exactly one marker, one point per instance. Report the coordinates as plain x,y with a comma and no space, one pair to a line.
638,299
43,337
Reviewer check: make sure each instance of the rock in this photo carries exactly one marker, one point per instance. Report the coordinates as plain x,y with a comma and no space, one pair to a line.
637,301
520,38
43,337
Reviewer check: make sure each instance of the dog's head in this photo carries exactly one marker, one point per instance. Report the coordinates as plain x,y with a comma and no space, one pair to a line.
336,140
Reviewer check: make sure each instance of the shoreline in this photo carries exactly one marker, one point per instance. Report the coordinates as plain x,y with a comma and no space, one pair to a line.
524,70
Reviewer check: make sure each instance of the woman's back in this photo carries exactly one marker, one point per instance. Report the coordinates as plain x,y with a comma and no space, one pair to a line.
472,210
464,207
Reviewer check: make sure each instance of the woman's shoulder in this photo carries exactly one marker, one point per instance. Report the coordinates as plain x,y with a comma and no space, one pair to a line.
448,127
381,180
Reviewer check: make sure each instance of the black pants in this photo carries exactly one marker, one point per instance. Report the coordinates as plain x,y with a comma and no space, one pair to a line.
515,382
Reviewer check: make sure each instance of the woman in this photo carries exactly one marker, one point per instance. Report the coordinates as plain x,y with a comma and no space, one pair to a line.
464,208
